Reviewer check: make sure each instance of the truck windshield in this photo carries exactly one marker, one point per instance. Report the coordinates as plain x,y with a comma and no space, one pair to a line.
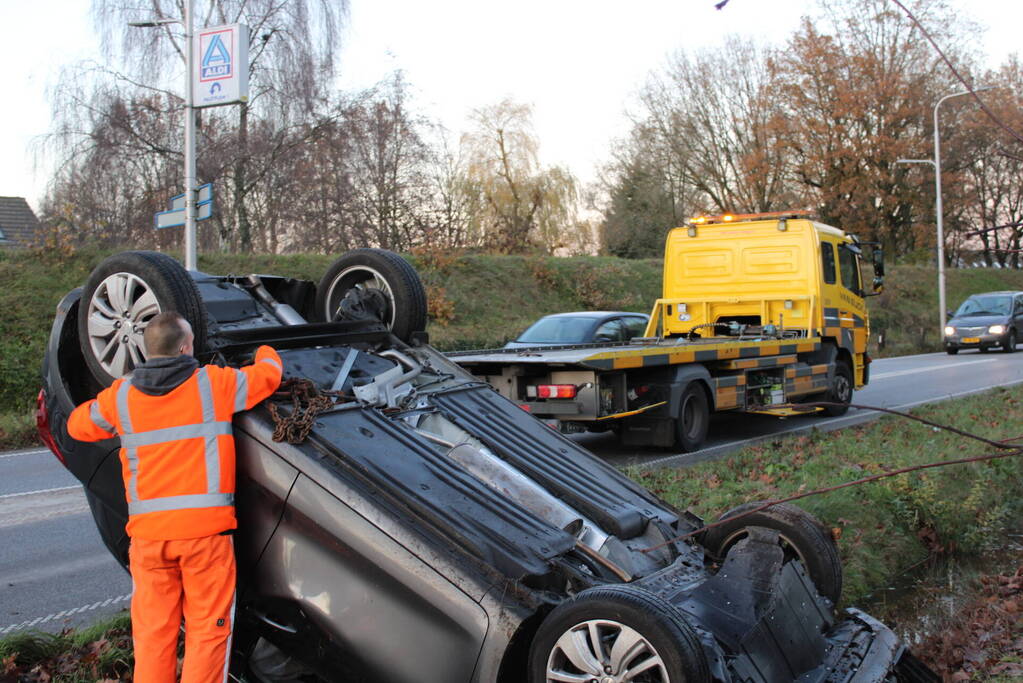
985,305
558,330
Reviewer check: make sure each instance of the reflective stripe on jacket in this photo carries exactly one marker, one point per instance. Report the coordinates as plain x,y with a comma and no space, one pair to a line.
177,449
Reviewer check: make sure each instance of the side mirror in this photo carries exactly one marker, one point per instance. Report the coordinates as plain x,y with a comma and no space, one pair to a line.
949,315
878,260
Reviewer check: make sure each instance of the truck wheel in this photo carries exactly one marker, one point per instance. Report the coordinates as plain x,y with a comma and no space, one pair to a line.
692,418
617,633
801,535
121,296
373,284
841,390
1010,342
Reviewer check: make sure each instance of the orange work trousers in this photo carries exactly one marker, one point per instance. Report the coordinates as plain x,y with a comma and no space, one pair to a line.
194,578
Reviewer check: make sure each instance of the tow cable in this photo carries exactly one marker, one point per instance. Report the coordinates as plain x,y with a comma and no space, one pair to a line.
1008,450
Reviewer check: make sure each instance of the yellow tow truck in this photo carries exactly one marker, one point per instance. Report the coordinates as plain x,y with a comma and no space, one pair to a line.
758,311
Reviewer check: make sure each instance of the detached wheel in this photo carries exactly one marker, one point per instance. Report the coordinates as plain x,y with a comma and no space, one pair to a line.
692,418
800,534
377,284
841,390
614,634
122,294
1010,342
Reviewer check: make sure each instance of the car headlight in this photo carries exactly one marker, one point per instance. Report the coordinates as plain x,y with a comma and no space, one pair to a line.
996,329
949,330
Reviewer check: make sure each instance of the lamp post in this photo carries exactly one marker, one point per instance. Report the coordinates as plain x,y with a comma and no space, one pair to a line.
190,249
936,163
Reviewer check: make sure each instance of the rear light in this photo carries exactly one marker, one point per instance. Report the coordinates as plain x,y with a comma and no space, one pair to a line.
525,406
555,391
43,425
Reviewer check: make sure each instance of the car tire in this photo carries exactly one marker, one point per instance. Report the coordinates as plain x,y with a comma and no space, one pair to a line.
951,350
692,418
841,390
802,536
577,639
1010,342
122,294
393,281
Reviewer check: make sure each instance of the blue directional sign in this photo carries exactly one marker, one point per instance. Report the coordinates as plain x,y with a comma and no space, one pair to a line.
175,217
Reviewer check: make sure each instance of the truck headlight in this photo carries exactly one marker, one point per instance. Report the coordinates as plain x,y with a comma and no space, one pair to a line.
949,330
996,329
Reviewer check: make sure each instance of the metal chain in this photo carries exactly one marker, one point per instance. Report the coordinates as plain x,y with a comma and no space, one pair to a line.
307,401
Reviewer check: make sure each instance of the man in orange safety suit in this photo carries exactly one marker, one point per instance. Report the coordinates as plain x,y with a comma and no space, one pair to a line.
178,462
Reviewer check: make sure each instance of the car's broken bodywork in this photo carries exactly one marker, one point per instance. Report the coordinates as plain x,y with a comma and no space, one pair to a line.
427,526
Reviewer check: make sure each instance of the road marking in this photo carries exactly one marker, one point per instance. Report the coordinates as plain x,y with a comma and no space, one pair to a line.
832,424
66,613
32,493
15,454
899,373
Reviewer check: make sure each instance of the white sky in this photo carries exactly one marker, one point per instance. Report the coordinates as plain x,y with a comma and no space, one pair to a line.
578,62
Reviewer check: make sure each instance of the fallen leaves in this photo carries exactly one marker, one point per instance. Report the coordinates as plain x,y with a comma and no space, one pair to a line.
987,640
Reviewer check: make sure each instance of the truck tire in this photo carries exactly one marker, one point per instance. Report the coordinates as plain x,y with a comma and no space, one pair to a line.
585,638
802,537
841,390
122,294
387,286
692,418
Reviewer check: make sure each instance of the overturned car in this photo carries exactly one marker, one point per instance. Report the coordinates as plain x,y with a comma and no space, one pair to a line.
422,528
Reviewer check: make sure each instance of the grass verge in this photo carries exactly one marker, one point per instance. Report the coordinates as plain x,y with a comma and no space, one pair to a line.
888,528
101,652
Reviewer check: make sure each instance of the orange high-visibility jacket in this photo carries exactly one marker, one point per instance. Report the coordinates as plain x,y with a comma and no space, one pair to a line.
177,450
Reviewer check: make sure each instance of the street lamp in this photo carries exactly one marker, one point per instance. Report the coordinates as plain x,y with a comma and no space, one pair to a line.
190,252
936,163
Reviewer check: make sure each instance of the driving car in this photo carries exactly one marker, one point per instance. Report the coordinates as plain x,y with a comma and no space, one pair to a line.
401,522
985,321
581,327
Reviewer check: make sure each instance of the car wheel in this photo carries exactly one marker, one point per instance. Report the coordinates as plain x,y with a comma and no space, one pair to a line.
614,634
692,418
983,349
373,284
841,390
1010,342
121,296
800,534
951,350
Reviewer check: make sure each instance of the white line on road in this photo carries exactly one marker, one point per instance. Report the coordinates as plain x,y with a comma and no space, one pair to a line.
15,454
66,613
30,493
931,368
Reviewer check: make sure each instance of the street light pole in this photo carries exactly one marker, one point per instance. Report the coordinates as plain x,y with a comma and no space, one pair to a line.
190,251
938,211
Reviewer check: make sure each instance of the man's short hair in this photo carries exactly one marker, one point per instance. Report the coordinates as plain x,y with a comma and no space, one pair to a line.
165,334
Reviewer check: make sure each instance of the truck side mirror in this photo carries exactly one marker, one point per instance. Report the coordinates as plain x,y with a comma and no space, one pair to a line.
878,260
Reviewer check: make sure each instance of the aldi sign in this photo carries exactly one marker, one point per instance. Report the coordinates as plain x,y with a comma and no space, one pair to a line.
221,62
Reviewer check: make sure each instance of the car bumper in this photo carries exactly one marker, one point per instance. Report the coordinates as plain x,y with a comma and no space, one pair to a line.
974,341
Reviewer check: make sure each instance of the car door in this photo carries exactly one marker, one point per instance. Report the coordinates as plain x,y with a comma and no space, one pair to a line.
635,326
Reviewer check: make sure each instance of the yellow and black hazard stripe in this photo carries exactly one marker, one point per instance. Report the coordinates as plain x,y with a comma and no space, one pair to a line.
805,379
695,352
729,392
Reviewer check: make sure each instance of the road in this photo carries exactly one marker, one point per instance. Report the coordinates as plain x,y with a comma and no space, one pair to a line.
57,573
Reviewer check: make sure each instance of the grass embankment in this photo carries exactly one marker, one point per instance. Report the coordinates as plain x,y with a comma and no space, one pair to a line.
887,528
475,301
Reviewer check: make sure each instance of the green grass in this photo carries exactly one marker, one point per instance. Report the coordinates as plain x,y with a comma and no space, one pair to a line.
98,652
892,526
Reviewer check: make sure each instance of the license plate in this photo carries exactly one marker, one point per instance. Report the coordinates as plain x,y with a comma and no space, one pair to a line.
971,340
